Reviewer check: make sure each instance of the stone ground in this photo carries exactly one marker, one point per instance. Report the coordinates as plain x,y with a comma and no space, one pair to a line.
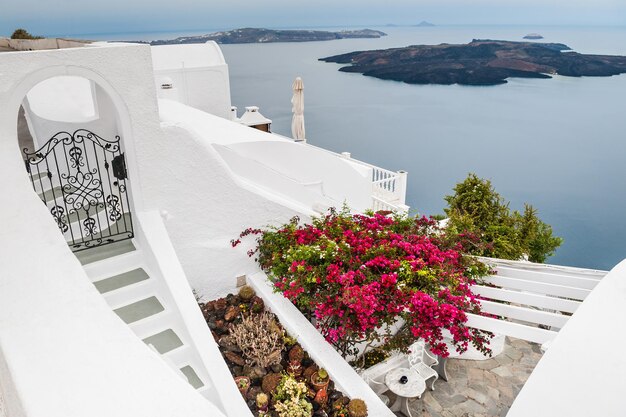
480,388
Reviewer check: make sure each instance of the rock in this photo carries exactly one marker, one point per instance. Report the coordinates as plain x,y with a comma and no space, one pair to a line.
296,354
247,371
231,299
212,323
220,325
252,393
237,370
309,371
234,358
220,304
277,368
227,343
215,336
258,372
334,396
270,382
231,313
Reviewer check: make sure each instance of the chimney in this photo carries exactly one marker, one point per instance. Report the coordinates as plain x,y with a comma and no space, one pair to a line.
253,118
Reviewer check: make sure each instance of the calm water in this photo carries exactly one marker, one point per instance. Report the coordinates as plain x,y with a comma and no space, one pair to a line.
558,144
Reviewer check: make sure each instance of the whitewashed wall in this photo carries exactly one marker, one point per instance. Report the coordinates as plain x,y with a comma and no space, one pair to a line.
204,208
63,352
340,180
198,73
582,372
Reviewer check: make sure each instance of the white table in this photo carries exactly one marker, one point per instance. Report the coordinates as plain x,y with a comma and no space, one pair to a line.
413,387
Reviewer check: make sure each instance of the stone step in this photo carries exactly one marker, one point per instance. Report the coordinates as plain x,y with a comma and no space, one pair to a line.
140,310
121,280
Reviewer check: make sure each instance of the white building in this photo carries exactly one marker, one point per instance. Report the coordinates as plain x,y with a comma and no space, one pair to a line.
160,181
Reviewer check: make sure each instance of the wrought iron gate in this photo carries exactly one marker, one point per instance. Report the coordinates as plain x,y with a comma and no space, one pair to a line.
81,178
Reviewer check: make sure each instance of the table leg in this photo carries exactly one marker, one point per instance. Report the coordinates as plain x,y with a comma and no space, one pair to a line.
397,404
405,407
441,368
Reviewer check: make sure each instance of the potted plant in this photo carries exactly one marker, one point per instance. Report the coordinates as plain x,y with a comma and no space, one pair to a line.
243,383
262,403
320,379
357,408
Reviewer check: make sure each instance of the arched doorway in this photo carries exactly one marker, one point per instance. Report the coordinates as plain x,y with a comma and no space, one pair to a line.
69,135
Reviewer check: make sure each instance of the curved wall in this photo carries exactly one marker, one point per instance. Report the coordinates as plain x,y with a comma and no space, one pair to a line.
63,352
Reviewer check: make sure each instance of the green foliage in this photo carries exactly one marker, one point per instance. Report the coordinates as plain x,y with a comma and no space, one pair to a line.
23,34
291,400
477,209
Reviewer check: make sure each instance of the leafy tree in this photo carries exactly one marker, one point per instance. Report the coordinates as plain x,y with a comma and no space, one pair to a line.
477,209
23,34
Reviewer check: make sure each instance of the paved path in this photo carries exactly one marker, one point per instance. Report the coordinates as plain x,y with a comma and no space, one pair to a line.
480,388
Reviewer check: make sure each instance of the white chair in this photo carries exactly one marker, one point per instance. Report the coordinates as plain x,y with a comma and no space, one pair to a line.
422,361
378,387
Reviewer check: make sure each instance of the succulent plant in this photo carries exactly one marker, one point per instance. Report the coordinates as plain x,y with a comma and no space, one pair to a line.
322,374
258,341
262,400
357,408
246,293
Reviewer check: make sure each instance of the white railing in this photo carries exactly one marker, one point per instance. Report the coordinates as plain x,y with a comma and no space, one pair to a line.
388,187
538,299
378,204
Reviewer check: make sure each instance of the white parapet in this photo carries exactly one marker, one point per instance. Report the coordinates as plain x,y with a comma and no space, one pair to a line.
582,372
345,377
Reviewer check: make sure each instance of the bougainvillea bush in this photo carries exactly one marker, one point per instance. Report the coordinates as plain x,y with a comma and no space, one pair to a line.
356,275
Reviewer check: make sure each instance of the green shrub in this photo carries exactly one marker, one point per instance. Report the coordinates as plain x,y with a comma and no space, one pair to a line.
23,34
476,208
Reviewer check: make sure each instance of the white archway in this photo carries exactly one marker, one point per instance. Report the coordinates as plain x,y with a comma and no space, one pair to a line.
118,196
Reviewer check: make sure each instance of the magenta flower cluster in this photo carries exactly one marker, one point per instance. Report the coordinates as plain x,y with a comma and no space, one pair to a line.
354,275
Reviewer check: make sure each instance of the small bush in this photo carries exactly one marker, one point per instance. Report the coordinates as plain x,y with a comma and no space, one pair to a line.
23,34
477,209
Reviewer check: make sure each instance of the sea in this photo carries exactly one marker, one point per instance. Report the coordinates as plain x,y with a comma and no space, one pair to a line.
558,144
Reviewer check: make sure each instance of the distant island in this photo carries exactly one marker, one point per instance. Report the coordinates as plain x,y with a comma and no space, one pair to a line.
424,24
480,62
256,35
533,36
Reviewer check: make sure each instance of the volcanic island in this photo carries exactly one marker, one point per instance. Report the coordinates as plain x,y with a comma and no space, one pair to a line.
479,62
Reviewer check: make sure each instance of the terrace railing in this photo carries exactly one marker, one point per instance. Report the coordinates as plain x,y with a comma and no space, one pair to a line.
531,301
388,187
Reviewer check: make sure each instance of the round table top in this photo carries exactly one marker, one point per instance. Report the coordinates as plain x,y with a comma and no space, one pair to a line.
415,385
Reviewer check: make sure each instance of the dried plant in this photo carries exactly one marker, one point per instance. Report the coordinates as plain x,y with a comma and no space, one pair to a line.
258,340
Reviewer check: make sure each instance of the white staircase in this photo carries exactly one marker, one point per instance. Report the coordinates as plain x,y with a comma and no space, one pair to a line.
136,294
143,283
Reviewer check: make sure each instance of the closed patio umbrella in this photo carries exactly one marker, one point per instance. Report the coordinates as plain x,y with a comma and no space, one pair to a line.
297,101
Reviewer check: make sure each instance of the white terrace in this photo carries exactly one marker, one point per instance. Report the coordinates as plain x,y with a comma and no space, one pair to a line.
145,176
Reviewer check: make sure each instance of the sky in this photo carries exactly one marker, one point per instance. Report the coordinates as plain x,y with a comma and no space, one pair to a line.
70,17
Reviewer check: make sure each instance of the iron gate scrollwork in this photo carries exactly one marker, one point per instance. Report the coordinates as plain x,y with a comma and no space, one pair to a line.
81,178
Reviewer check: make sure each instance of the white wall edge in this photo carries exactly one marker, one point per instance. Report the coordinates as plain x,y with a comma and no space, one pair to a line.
159,243
345,377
